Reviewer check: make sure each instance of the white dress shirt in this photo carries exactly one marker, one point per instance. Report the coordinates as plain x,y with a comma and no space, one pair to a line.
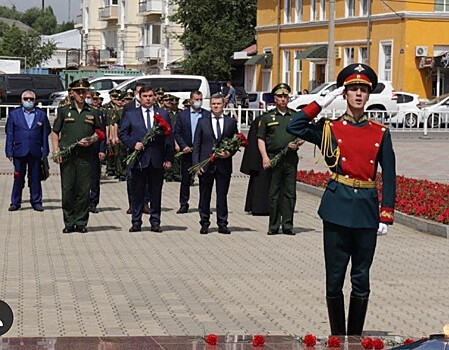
214,123
144,112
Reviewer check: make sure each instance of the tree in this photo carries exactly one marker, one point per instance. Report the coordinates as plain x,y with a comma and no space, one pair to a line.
43,21
64,26
213,30
26,44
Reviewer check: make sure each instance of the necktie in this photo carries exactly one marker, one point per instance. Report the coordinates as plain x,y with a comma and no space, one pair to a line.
218,129
148,120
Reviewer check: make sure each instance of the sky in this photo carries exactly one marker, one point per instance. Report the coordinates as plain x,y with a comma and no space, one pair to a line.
60,7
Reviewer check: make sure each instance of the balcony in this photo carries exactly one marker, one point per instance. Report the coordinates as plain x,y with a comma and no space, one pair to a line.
150,7
149,52
108,55
108,13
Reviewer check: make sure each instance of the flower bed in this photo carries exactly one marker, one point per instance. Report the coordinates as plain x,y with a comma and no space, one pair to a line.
420,198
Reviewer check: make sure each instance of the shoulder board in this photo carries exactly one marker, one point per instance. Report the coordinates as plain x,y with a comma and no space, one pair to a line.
377,123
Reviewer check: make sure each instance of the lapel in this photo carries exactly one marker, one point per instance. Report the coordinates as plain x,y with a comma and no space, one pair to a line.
225,125
189,124
212,119
142,120
36,119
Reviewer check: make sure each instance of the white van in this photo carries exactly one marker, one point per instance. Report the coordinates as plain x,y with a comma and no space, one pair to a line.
177,85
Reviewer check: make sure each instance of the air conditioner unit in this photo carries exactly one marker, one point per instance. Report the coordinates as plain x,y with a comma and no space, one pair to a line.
421,51
337,53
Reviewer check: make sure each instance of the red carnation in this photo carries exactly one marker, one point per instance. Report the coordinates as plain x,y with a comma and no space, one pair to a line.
100,134
258,340
333,342
310,340
111,154
378,344
409,341
212,339
16,174
367,343
158,118
212,158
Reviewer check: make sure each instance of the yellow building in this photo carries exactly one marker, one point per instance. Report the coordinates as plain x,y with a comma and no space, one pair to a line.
404,41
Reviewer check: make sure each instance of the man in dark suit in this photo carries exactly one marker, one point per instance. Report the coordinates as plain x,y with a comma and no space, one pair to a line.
154,158
27,131
184,133
211,129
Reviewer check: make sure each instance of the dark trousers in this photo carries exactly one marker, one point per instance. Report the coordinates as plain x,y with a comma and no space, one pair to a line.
94,197
34,177
342,244
129,188
186,178
76,175
282,195
154,177
222,182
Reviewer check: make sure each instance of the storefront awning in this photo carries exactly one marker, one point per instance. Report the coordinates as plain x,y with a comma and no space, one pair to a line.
265,60
314,52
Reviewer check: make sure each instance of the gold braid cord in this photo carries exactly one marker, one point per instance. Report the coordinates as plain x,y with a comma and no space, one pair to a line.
326,146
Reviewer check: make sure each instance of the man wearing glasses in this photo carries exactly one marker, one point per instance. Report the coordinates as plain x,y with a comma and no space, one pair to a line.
27,132
76,123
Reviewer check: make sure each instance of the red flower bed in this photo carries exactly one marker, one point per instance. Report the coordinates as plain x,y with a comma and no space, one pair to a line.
421,198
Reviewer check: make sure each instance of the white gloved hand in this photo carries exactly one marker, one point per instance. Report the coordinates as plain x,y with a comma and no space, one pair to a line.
383,229
327,100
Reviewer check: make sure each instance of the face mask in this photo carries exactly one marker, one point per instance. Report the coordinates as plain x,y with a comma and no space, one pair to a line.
88,101
137,97
28,105
197,104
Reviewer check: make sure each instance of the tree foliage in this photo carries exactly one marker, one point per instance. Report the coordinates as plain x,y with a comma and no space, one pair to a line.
19,43
213,30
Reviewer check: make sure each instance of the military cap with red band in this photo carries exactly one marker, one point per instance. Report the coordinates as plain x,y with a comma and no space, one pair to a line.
357,73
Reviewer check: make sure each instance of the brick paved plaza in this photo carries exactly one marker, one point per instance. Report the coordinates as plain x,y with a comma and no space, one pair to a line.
109,282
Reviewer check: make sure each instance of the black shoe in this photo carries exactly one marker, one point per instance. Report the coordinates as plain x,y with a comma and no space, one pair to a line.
183,209
13,207
129,211
272,232
288,232
146,209
135,229
68,229
38,207
116,177
122,178
156,228
93,209
204,230
224,230
81,229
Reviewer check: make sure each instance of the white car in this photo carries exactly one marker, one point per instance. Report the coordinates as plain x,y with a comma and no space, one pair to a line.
100,84
409,112
436,111
382,101
261,100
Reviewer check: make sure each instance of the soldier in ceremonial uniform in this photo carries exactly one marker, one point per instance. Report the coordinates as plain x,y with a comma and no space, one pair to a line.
74,124
352,146
272,139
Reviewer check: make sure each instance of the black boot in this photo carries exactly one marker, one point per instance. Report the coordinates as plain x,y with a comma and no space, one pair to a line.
357,313
336,311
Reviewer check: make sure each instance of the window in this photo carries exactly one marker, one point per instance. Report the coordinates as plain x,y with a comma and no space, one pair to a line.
349,55
385,60
350,8
110,2
286,67
442,5
152,35
156,34
312,10
102,85
298,11
364,7
322,10
297,71
287,11
168,84
363,55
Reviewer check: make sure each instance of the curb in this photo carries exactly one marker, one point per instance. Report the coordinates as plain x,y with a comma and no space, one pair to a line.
420,224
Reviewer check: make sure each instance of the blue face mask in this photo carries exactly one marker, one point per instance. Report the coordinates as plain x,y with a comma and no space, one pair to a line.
28,105
88,101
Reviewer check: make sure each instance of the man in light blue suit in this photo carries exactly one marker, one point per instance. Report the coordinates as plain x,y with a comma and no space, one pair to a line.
27,130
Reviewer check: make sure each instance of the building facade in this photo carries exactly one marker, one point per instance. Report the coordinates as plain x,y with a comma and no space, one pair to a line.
404,41
133,34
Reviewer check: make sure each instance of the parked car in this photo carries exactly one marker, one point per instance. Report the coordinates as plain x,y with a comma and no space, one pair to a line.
178,85
12,86
409,113
382,102
101,84
261,100
436,111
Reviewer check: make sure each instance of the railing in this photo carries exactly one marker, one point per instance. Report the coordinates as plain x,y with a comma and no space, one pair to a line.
5,109
151,6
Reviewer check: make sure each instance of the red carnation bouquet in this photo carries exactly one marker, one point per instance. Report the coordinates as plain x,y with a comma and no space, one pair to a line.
226,145
278,157
68,150
160,127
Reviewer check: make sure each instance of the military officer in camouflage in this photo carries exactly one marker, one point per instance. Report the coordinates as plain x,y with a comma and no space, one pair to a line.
76,123
272,139
352,146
